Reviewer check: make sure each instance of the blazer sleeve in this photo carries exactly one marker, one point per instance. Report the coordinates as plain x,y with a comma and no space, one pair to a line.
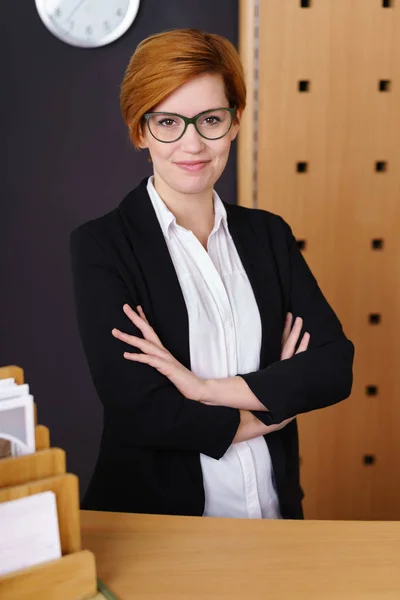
145,408
322,375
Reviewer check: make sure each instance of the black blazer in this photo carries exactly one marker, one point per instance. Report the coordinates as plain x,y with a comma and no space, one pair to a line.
149,458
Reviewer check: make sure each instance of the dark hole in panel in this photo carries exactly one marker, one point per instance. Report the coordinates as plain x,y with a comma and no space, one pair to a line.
369,459
384,85
305,3
301,244
371,390
374,318
381,166
304,86
302,167
377,244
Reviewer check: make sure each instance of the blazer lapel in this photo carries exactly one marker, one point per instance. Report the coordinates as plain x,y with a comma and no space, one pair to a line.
166,303
255,254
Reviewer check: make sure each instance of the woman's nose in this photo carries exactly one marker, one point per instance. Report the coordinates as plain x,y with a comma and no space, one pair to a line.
191,140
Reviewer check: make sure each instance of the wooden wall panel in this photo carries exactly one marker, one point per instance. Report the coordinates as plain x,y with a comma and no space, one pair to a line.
341,127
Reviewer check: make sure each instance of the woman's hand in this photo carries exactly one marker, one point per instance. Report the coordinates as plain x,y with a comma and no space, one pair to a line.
291,336
234,391
157,356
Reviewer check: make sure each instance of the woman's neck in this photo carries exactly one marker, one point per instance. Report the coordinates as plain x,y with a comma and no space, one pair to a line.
194,212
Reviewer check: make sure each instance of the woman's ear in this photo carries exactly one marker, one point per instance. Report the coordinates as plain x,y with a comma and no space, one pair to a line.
142,142
236,124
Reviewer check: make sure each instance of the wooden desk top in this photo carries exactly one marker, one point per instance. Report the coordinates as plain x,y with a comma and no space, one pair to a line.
193,558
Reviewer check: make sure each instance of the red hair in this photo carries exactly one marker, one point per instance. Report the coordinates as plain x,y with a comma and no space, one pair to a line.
163,62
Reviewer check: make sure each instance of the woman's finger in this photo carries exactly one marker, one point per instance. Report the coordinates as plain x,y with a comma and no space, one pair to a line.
142,324
158,363
154,361
287,328
141,313
143,345
292,340
304,343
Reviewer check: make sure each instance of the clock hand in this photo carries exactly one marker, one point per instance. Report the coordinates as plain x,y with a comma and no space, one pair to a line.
75,9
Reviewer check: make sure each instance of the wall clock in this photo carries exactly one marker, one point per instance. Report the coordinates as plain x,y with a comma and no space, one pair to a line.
87,23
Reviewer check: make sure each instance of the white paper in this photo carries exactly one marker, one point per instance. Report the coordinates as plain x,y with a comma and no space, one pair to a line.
17,424
29,533
14,391
10,381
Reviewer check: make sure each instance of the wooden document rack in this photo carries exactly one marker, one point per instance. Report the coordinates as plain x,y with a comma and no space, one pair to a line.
72,577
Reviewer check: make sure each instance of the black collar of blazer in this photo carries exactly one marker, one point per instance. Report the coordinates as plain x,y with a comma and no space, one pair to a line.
249,233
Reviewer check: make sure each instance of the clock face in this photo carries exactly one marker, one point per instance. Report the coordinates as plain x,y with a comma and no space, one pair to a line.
87,23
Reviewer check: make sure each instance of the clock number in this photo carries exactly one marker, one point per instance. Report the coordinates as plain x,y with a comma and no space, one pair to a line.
57,13
106,25
89,30
120,12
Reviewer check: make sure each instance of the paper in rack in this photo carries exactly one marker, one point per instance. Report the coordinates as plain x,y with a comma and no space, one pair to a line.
17,428
10,381
29,533
13,391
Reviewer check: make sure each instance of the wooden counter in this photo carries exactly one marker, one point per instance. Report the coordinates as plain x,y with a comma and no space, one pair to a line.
191,558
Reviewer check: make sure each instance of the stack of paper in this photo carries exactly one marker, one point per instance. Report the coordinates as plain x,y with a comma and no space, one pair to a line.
17,429
29,533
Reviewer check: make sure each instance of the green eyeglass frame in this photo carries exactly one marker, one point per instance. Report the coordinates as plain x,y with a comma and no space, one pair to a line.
189,121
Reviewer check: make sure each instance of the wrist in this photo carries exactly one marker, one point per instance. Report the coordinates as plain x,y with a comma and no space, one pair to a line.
207,391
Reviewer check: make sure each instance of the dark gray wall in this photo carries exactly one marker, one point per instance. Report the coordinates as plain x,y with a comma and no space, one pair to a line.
66,159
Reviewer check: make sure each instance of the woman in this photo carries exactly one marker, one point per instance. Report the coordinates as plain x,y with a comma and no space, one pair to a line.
186,310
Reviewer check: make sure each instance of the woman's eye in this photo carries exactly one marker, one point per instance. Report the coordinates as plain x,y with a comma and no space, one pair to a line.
166,122
212,120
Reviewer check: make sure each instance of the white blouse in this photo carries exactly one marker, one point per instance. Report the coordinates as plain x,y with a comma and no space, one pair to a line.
225,339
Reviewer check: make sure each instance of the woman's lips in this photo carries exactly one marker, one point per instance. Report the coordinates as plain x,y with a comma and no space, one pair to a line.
194,166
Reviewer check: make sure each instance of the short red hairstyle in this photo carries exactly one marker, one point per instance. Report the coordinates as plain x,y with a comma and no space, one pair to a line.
163,62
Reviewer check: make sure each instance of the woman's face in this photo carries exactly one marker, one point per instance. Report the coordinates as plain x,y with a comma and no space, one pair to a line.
192,164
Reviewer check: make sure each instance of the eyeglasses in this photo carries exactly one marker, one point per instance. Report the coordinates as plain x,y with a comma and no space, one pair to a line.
169,127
